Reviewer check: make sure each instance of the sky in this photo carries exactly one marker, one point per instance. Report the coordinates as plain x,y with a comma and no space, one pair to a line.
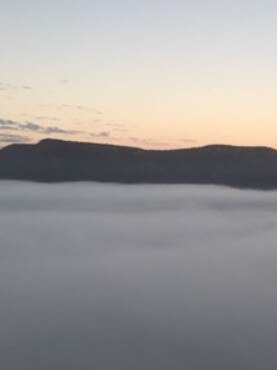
96,276
148,73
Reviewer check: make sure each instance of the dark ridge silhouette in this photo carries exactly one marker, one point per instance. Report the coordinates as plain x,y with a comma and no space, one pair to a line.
61,161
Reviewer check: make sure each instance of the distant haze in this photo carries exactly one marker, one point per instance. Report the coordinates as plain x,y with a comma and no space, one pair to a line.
137,278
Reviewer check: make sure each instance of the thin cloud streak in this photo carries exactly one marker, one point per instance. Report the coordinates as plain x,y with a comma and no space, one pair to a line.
10,139
6,124
100,134
7,86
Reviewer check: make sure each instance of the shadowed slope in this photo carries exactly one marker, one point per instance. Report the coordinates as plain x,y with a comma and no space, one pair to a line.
58,161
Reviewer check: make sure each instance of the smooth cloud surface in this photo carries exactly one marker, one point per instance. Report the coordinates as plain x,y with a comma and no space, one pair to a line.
137,277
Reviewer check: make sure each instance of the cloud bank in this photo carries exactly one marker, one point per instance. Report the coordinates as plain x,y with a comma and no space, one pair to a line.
137,277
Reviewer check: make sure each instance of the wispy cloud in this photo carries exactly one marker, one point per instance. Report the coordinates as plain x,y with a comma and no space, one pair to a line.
26,87
100,134
30,126
6,86
42,118
57,130
8,138
9,128
8,125
186,140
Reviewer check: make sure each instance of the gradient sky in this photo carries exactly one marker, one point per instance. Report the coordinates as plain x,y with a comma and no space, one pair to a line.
150,73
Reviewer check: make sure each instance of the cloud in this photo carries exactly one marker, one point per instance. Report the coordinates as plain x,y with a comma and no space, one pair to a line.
34,127
8,128
7,138
57,130
30,126
7,123
65,81
6,86
26,87
100,134
42,118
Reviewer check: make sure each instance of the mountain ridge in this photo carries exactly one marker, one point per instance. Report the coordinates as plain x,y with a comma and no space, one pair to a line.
53,160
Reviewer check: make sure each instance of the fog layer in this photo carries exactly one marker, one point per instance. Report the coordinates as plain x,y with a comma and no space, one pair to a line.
100,277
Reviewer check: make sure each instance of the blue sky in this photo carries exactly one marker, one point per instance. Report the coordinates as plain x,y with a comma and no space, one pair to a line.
148,73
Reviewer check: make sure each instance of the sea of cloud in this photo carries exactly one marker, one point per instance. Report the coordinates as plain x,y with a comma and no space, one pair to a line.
113,277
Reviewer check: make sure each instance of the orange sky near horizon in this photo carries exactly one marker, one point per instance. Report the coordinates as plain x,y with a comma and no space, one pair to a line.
153,74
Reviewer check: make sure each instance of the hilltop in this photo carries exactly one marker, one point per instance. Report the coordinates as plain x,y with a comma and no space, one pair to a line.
60,161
